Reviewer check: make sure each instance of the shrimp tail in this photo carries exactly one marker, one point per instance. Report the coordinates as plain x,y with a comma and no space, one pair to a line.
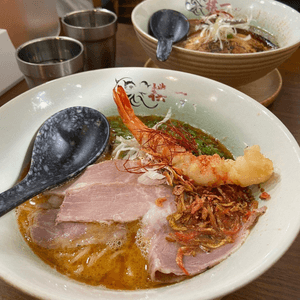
252,168
132,122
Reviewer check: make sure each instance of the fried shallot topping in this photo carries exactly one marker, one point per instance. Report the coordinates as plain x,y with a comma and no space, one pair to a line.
265,196
159,201
207,217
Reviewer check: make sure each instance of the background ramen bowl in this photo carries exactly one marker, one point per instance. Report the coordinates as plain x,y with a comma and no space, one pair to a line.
232,117
231,69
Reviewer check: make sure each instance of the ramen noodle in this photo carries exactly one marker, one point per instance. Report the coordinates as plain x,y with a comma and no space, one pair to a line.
123,250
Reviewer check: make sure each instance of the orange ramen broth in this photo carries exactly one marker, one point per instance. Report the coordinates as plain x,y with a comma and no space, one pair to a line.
121,267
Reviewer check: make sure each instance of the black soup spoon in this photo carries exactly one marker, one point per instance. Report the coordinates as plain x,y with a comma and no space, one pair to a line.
168,26
64,146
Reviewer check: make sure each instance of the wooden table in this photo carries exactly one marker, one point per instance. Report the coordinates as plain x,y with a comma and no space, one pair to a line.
282,281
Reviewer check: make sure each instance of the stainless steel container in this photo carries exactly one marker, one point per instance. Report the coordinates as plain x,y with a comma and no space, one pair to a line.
45,59
96,29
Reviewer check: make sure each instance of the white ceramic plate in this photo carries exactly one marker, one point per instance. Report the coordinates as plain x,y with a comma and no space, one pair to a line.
229,115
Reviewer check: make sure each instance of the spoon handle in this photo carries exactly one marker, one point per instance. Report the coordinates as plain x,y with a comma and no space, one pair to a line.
18,194
164,48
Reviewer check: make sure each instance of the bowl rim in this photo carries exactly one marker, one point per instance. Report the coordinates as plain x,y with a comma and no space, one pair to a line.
269,260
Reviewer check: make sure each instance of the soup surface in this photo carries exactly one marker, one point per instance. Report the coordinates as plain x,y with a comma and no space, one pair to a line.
221,32
111,254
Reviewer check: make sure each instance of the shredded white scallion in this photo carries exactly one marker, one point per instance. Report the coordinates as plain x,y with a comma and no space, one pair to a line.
132,146
133,151
223,27
149,176
247,38
164,120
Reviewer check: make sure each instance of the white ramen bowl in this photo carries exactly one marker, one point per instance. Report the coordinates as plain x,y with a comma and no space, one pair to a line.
229,115
233,69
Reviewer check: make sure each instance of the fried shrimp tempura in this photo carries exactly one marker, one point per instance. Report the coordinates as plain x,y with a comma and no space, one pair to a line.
252,168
